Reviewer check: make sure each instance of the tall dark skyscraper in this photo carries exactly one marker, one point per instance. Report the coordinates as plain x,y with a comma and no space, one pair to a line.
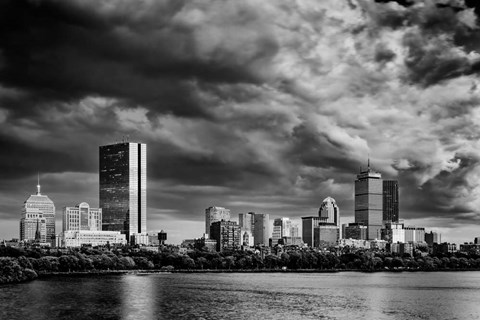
369,202
123,187
390,201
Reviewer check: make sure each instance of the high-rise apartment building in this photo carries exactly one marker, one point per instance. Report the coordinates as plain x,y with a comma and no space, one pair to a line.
214,214
369,202
38,214
123,187
390,201
227,234
261,229
82,217
308,228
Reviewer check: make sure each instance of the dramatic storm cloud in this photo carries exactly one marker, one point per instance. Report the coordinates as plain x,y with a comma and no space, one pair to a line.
255,106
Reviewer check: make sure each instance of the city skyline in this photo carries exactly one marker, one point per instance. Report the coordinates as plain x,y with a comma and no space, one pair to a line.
255,107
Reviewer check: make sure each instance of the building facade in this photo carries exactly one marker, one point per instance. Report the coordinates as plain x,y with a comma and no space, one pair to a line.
390,201
329,212
38,213
369,202
261,229
214,214
227,234
123,187
356,231
433,237
282,227
246,221
308,227
325,235
82,217
78,238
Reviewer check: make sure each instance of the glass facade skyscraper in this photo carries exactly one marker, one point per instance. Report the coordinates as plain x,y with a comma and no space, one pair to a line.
390,201
123,187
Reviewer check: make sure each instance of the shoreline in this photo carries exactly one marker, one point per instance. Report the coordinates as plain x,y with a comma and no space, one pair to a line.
146,272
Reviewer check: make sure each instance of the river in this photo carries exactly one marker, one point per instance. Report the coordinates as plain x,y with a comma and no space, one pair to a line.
344,295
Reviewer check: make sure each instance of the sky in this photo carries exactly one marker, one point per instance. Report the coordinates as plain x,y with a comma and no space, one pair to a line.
264,106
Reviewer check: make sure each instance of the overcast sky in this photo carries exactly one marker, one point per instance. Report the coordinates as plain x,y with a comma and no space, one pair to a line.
265,106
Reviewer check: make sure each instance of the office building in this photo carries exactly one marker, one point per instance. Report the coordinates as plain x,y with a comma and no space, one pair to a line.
355,231
82,217
246,221
433,237
393,232
390,201
369,202
281,228
261,229
78,238
227,235
38,214
308,227
414,234
325,235
123,187
329,212
214,214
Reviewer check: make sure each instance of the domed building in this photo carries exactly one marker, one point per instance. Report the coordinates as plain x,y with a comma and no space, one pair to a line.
329,212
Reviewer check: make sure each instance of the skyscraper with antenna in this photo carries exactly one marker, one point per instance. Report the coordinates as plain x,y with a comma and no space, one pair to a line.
38,218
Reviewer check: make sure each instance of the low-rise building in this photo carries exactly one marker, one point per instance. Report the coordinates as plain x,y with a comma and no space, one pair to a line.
79,238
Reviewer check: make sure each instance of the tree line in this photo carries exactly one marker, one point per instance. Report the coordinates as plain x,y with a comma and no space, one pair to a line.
17,264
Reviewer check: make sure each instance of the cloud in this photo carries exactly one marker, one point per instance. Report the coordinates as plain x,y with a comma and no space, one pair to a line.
275,105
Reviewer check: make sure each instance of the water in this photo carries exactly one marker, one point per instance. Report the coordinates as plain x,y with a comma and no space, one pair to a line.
441,295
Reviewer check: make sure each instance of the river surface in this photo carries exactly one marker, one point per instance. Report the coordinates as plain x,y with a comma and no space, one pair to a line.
345,295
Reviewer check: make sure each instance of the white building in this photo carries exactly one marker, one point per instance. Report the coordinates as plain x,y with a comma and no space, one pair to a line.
38,212
214,214
82,225
246,238
82,217
78,238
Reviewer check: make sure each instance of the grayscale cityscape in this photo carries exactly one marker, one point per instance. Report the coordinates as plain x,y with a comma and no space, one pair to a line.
170,159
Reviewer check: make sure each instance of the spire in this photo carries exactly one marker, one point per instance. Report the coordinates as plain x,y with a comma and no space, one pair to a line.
38,184
368,162
37,232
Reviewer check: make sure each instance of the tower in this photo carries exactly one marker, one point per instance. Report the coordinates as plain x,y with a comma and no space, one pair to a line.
261,228
390,201
329,212
38,214
123,187
214,214
369,201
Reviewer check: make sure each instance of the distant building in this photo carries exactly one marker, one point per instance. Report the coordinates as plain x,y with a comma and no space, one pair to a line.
246,238
227,235
325,235
402,248
38,214
281,228
476,240
369,202
214,214
354,243
246,221
393,232
82,217
78,238
123,187
390,201
206,244
444,248
356,231
329,212
414,234
308,228
470,247
433,237
261,232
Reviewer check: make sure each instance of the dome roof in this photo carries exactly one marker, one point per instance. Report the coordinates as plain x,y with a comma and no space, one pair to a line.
328,199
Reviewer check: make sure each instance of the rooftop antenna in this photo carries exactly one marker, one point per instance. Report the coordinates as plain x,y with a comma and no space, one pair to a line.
369,162
38,183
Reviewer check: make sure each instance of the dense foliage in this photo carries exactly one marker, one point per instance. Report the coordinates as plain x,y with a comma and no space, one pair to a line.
24,264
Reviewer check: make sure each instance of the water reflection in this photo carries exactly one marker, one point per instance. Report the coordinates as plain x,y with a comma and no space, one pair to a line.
442,295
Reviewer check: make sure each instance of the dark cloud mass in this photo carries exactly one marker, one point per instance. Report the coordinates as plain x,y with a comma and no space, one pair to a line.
254,106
